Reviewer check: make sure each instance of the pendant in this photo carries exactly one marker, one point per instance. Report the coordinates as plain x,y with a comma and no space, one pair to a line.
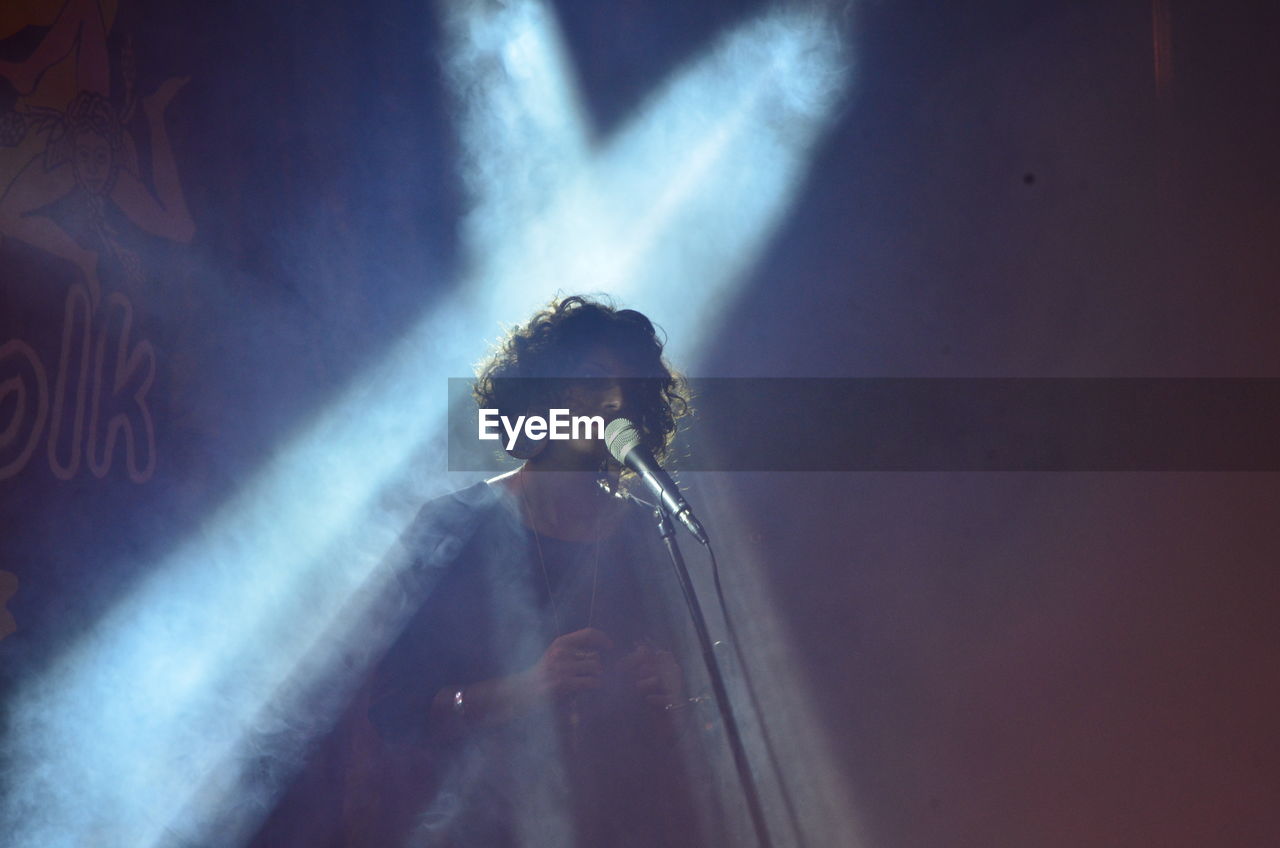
575,720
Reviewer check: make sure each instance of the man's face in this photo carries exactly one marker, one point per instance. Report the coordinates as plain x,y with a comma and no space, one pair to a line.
92,161
596,387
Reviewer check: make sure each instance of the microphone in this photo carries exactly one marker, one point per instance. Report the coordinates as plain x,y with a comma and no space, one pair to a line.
623,441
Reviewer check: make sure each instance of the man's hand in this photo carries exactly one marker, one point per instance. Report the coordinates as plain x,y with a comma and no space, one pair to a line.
571,664
656,676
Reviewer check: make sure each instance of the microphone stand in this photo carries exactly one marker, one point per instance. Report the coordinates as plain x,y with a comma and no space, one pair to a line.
667,530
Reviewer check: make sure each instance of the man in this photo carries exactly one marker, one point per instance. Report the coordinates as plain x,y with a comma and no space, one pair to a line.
533,697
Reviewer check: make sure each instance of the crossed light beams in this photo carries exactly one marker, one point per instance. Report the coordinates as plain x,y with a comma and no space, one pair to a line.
669,213
146,731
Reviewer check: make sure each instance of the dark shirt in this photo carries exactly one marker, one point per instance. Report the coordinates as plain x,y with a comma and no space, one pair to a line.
491,596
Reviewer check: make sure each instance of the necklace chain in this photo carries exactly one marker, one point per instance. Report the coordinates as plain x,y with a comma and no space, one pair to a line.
542,563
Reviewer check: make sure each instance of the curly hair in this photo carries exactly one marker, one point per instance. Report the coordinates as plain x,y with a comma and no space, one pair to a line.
527,371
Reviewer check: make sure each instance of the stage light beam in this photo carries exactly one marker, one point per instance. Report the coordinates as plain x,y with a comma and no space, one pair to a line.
146,731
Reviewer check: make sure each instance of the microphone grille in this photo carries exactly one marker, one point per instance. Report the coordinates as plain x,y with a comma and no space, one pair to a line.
620,436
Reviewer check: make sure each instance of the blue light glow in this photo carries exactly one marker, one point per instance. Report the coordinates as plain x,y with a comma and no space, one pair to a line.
142,733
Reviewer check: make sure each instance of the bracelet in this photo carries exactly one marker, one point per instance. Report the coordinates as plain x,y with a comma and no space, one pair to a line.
459,706
687,703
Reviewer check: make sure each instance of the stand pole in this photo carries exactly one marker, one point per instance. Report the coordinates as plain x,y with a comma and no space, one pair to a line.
740,761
